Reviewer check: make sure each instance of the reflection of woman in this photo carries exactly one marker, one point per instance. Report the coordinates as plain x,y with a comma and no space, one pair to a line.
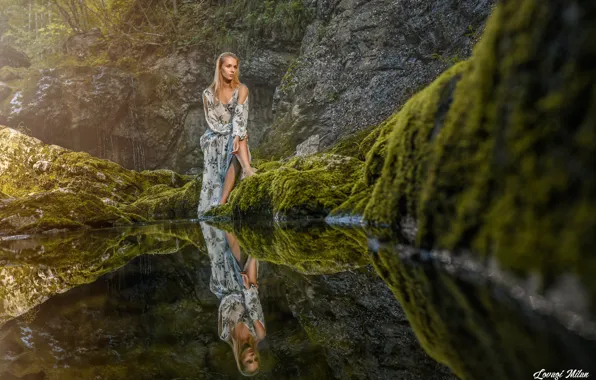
240,317
224,144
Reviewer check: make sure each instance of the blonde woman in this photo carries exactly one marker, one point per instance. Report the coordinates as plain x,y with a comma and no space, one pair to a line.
224,144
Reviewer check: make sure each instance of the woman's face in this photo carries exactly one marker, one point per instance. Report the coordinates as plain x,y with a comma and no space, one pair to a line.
229,67
250,361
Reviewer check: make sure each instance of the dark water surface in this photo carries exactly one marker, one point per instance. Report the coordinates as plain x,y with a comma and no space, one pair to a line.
136,303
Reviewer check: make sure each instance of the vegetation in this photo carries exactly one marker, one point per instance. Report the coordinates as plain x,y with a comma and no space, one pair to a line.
127,29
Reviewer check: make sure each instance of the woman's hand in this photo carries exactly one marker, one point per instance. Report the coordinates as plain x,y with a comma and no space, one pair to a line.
236,145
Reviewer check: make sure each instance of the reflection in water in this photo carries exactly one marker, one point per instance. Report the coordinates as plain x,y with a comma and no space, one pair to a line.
183,301
241,323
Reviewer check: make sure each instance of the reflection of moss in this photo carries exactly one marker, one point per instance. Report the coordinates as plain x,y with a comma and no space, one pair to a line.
47,266
314,250
474,332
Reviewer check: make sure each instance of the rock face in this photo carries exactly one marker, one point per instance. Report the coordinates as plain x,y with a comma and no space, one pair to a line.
357,62
48,187
147,118
360,60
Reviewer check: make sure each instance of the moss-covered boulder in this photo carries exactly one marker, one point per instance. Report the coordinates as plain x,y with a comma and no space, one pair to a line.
303,187
495,156
52,187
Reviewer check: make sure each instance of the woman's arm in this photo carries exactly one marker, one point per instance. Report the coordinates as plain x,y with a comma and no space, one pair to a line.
240,117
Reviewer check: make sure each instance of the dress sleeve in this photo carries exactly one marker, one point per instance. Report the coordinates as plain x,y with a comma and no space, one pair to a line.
240,119
214,122
253,304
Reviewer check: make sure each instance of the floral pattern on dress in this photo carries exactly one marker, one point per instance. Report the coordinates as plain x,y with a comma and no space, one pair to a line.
237,304
224,121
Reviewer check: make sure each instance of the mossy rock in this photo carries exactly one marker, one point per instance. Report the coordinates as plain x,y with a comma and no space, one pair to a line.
304,187
60,210
52,187
163,202
495,156
397,163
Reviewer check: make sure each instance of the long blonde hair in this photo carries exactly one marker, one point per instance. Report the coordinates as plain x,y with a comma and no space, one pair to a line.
236,347
217,83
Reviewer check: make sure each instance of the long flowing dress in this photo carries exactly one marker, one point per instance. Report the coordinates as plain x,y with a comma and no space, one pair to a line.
224,121
237,304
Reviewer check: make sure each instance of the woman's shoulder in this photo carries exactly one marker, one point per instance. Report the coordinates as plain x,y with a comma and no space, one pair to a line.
208,91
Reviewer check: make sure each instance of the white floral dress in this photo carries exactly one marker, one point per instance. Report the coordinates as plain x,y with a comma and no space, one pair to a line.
237,304
224,121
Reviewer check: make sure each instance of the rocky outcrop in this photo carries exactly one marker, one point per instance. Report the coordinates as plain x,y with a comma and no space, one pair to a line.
145,116
356,63
494,158
51,187
10,56
360,60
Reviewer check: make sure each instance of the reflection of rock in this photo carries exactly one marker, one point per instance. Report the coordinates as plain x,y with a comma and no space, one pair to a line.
57,188
46,266
155,318
317,249
478,329
361,325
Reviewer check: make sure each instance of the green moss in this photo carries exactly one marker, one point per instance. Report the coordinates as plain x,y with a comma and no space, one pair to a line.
303,187
319,249
57,188
164,202
356,145
56,209
408,146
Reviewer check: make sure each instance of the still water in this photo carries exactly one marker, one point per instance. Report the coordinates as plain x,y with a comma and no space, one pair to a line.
191,300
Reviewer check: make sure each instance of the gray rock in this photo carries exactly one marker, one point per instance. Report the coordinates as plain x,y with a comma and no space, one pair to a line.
361,60
308,147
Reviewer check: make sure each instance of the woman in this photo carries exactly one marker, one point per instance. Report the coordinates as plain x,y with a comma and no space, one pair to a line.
224,144
240,318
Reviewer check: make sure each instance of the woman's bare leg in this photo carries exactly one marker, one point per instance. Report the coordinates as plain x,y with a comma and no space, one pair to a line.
235,247
244,158
251,270
229,181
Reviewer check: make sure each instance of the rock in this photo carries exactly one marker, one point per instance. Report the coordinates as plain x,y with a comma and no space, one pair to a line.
5,90
360,61
51,188
10,56
79,45
308,147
